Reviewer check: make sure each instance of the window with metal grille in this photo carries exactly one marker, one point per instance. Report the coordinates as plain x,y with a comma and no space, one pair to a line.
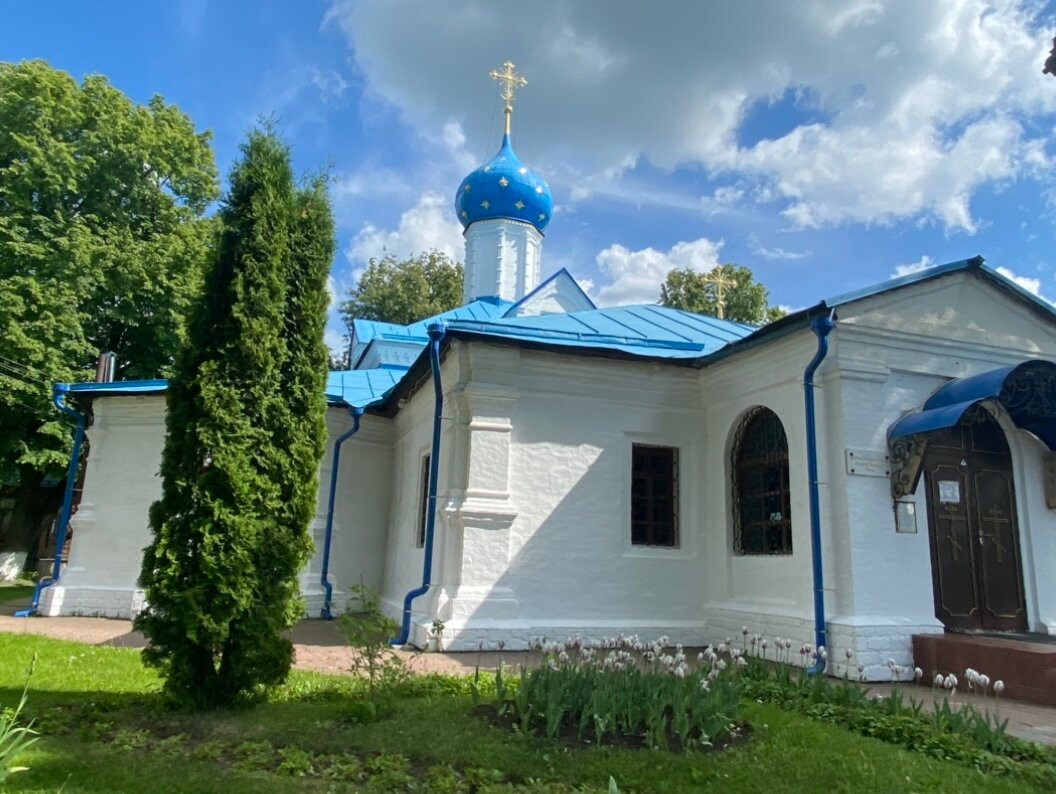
762,521
654,495
423,503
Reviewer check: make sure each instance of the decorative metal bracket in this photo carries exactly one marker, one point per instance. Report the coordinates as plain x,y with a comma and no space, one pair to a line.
907,455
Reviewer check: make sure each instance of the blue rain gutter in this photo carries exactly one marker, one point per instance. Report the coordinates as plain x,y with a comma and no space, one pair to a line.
59,391
821,326
436,334
335,462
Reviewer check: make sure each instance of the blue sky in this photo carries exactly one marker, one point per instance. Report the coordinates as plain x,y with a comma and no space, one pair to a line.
825,144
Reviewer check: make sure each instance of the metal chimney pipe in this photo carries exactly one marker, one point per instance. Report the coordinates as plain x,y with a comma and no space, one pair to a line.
104,368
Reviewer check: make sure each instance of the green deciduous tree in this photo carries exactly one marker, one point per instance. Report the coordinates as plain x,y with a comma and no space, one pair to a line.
745,299
102,241
406,291
244,438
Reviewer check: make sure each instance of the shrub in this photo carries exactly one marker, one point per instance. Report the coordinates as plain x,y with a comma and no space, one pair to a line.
368,633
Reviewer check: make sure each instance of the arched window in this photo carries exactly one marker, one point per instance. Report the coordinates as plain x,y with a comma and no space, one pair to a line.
762,522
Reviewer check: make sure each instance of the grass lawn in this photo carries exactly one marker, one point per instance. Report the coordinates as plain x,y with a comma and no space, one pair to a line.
15,592
104,730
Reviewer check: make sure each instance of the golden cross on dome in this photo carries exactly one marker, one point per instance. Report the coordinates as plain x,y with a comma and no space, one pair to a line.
720,282
511,81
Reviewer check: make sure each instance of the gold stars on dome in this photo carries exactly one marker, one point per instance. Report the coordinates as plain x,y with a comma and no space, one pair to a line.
465,215
539,189
522,170
542,216
503,181
485,204
519,205
466,188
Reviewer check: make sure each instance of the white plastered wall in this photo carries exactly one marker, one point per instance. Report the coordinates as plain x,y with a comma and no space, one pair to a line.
894,351
361,504
533,535
121,482
403,559
110,526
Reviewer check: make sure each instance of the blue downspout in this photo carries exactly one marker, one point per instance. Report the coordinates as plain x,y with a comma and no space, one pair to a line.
59,391
821,326
436,334
357,413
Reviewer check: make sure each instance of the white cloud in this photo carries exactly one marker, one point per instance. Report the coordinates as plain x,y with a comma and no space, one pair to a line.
329,82
636,276
914,267
776,252
335,340
1031,285
915,106
427,225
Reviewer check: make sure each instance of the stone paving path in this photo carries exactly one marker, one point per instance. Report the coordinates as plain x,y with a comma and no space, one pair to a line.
320,647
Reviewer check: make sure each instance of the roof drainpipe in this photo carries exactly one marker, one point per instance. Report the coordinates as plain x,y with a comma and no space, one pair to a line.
436,334
59,391
335,463
821,326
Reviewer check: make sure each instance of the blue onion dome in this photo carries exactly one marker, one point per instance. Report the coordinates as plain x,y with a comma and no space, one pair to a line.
504,188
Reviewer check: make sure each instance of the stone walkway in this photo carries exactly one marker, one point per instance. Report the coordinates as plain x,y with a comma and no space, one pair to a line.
320,647
318,644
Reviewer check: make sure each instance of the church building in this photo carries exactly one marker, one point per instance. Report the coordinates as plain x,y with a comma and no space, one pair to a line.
874,468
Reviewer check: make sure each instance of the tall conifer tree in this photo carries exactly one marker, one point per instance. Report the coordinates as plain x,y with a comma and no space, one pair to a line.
242,444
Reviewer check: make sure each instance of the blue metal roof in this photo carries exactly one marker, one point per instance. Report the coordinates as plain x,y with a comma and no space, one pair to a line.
366,331
361,388
647,332
650,331
1028,404
120,387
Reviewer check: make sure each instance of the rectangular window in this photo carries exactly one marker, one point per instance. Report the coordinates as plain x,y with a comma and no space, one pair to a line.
423,503
654,495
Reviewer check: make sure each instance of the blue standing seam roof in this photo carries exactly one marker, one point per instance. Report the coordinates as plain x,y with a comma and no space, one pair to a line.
479,309
649,332
653,331
362,388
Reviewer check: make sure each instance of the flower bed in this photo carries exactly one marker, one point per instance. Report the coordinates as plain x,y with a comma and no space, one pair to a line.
624,692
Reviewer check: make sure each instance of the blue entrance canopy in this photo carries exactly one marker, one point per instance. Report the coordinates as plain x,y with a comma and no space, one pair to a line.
1026,391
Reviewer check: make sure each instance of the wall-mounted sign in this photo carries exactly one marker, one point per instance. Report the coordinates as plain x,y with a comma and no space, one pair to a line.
906,518
867,462
950,492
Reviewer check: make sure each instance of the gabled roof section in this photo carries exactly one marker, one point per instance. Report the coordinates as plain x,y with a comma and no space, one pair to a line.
801,318
560,293
366,331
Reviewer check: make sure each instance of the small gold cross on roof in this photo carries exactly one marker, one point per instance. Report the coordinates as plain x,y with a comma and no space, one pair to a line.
720,282
511,81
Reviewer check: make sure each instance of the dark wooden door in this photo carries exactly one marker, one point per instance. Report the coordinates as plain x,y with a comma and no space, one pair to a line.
975,558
